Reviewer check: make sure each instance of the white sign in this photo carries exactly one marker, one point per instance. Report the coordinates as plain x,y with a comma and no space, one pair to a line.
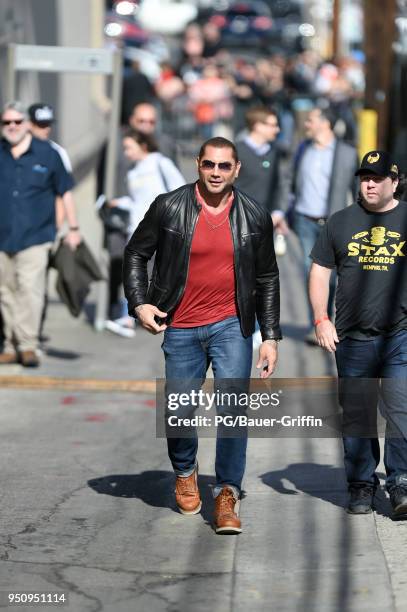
63,59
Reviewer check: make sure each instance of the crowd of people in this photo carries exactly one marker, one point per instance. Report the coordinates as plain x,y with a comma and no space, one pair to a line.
206,91
213,87
199,258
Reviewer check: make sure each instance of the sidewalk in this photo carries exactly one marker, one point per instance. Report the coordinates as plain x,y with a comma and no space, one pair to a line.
89,511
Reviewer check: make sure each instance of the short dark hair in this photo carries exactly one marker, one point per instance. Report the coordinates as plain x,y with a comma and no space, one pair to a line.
219,143
257,114
401,190
144,140
328,114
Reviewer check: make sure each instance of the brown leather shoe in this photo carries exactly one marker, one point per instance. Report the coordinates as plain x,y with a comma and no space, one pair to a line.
187,494
6,358
29,359
226,519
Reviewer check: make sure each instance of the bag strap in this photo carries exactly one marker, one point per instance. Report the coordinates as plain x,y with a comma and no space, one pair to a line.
163,178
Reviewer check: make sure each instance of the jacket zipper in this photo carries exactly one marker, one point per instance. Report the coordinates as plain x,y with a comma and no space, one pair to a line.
235,250
179,298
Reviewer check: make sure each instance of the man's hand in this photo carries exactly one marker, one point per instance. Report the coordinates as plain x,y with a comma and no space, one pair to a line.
279,222
73,239
326,335
146,313
268,354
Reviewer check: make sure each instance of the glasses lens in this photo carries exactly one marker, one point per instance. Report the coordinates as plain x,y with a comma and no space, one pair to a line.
225,166
15,121
207,164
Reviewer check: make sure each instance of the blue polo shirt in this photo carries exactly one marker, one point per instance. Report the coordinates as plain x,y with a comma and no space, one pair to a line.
28,187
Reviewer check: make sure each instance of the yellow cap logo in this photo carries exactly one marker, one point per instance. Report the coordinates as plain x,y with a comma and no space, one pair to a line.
394,169
373,158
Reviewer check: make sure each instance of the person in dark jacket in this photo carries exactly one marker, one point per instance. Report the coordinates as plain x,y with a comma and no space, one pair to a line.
259,176
215,270
323,183
260,158
143,118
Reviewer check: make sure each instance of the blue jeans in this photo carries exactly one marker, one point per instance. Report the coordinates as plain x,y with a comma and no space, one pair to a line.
188,353
308,232
384,357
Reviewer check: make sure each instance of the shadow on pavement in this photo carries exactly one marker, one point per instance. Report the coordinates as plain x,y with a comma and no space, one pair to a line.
62,354
325,482
154,487
382,504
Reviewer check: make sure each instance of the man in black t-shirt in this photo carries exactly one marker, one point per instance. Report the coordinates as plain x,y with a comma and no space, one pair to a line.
367,244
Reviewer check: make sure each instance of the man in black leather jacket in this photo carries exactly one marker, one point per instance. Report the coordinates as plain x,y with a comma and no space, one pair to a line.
215,270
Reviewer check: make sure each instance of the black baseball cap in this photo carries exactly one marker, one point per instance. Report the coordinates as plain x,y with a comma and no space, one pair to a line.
41,114
379,163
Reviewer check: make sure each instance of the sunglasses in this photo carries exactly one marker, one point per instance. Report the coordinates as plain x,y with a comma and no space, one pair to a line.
149,121
207,164
10,121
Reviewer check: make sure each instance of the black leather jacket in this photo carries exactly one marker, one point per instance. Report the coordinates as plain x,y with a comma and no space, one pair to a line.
167,230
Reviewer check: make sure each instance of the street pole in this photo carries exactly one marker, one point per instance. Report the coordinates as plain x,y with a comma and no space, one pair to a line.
380,31
41,58
109,186
11,75
336,31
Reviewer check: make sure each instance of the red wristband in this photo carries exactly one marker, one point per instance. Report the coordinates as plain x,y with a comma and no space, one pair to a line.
318,321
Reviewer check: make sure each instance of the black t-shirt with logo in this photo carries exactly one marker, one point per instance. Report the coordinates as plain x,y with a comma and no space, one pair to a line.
369,251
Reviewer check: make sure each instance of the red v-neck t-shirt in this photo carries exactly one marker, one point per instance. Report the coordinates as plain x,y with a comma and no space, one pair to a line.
209,294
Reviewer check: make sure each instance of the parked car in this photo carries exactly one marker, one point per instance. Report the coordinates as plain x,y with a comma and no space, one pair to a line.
244,24
285,8
125,30
290,33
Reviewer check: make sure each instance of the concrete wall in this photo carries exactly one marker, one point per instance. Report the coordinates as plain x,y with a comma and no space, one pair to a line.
79,100
17,26
81,96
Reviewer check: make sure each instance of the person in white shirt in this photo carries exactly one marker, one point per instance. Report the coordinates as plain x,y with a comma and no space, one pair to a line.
151,174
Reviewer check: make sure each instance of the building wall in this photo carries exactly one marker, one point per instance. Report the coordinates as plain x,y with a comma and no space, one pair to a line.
78,99
80,24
